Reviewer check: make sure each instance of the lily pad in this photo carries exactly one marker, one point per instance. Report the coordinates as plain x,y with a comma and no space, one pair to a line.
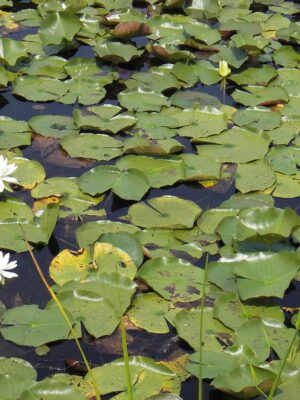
56,126
154,378
164,212
254,176
141,99
16,376
59,26
30,326
38,88
116,52
92,146
166,276
236,145
159,171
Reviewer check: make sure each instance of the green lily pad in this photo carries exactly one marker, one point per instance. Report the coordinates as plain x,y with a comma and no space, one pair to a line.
141,99
261,95
148,378
129,184
92,146
13,133
257,117
201,122
56,126
287,57
199,168
187,324
29,172
11,50
97,295
59,26
236,145
282,160
254,76
151,312
286,187
159,171
109,258
104,118
52,390
166,276
164,212
30,326
51,66
116,52
36,229
229,309
90,232
38,88
264,274
245,386
126,242
254,176
16,376
84,90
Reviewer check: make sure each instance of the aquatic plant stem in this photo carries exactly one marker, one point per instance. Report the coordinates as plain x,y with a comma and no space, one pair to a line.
284,360
63,313
124,344
200,384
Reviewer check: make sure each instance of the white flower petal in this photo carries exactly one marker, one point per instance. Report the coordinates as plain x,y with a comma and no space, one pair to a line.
1,185
8,274
10,179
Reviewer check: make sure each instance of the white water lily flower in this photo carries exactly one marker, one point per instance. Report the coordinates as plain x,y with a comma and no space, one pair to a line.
224,70
6,170
6,266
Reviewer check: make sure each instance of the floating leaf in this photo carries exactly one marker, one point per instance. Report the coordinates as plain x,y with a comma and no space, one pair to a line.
126,242
11,50
141,99
257,175
257,117
166,276
70,265
104,118
37,88
129,184
52,390
116,52
56,126
91,231
16,376
261,96
159,171
97,295
164,212
151,312
58,26
30,326
29,172
148,378
187,324
229,309
92,146
13,133
235,145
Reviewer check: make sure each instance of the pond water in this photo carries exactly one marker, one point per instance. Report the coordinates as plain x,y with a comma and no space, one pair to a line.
28,289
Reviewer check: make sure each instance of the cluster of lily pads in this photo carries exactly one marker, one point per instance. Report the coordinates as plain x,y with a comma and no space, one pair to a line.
143,119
